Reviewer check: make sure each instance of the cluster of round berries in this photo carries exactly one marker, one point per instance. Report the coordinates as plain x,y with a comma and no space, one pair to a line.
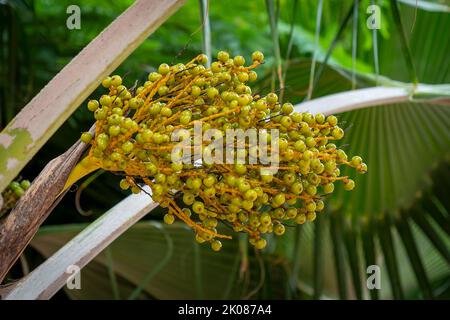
12,194
133,137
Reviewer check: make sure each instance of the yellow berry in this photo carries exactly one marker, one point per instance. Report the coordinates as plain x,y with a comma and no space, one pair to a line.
311,216
279,229
239,61
169,218
258,56
260,244
116,80
164,69
124,185
216,245
105,100
223,56
86,137
106,83
300,219
349,185
92,105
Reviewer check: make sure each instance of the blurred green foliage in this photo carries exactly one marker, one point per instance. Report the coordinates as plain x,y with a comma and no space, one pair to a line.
404,145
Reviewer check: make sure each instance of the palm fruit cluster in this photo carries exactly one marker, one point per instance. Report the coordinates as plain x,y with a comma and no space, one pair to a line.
133,138
12,194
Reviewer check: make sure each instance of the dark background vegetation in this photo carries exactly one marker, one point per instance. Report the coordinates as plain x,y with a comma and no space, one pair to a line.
397,217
